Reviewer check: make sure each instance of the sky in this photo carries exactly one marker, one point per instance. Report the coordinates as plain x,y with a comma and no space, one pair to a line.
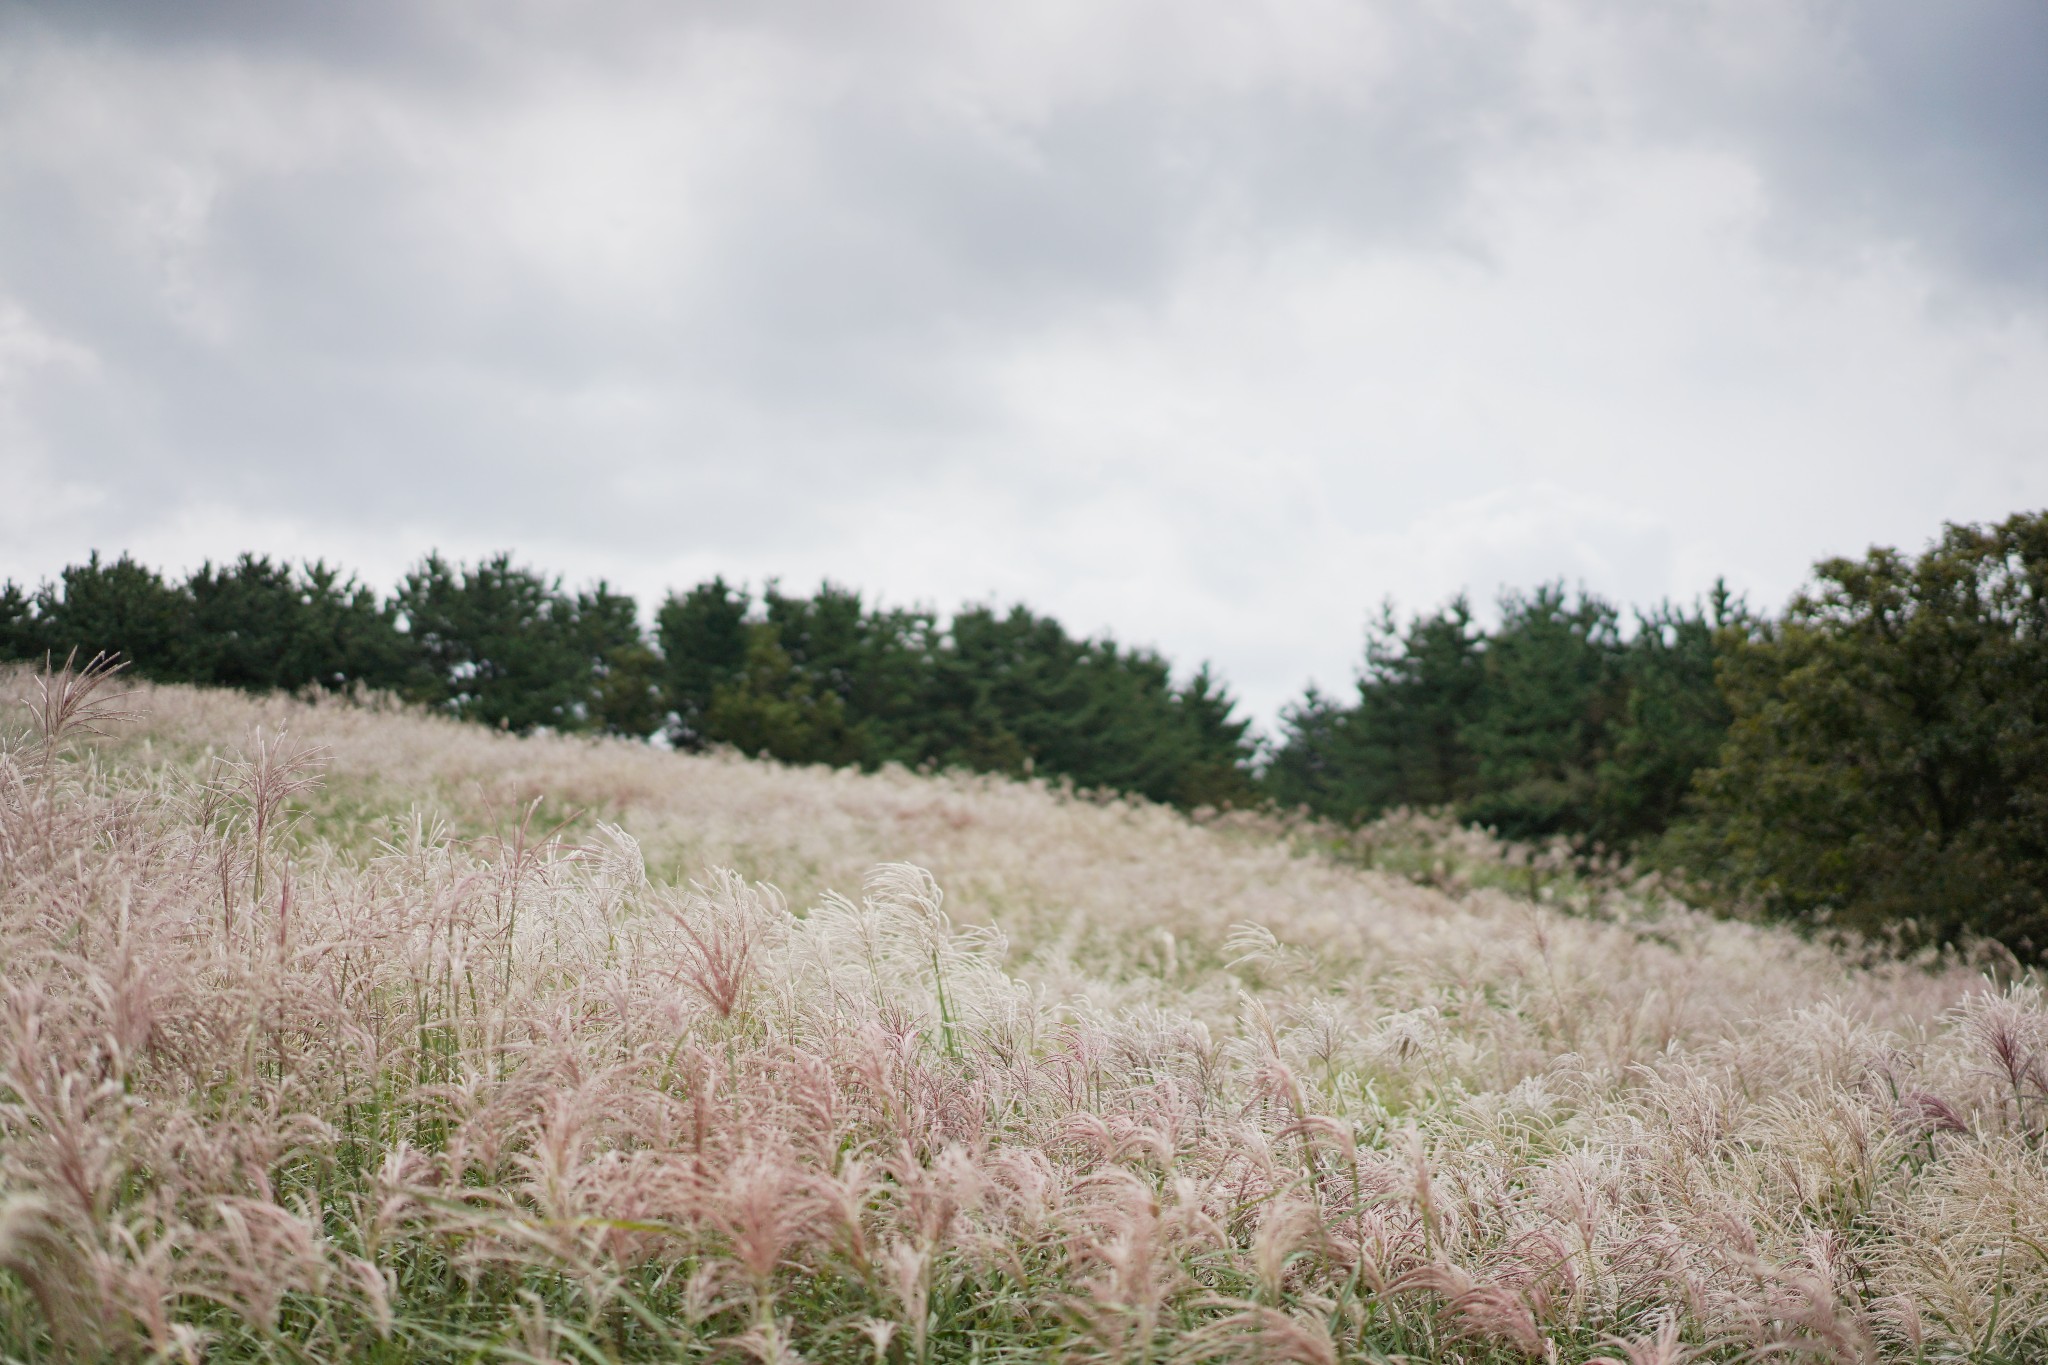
1210,326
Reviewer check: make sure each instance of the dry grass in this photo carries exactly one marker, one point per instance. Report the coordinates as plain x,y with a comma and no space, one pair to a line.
392,1066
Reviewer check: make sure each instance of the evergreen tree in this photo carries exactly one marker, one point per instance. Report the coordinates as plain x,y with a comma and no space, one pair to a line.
1552,688
1217,770
823,678
987,674
1672,723
703,639
1312,766
21,634
260,626
498,643
878,663
1013,692
1407,741
824,635
1548,725
1418,700
1114,723
121,608
772,708
625,694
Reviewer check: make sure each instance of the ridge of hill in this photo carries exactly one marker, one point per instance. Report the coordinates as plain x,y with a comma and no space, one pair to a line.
322,1038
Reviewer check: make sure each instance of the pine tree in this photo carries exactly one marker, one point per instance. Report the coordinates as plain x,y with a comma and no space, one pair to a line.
624,695
261,626
771,708
1217,770
703,640
497,643
21,634
1672,721
121,608
1553,686
1407,740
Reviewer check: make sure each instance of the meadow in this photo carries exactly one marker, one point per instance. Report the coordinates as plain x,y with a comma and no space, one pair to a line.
333,1030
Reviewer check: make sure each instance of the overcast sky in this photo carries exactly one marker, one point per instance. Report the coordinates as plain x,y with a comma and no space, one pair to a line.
1207,324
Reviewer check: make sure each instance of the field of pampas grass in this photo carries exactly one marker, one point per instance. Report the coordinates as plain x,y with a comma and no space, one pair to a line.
336,1032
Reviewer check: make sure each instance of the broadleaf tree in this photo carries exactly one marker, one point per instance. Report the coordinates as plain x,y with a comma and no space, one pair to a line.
1886,767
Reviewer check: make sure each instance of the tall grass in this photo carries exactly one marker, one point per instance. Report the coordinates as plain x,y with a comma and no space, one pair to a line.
322,1040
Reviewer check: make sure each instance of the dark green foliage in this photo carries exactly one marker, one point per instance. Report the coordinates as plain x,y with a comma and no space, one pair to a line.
991,679
259,626
122,608
703,639
253,624
774,708
1423,694
623,693
1405,741
1552,687
1215,772
878,663
1887,764
1315,765
819,679
1672,723
1550,724
1013,692
1877,759
497,643
778,687
20,633
505,645
828,679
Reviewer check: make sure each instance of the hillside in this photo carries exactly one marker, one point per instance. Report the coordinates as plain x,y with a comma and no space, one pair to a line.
319,1045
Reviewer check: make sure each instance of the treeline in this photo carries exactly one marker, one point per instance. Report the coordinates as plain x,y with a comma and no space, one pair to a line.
1555,722
825,678
1875,757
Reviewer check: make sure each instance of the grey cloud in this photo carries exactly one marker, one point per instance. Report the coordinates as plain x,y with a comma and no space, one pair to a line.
392,38
1874,122
374,329
1949,138
1891,116
841,224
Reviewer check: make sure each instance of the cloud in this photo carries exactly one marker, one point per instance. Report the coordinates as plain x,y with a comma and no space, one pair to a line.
1874,122
1205,325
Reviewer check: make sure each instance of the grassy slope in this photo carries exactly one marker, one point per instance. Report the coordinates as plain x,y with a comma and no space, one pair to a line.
1140,1088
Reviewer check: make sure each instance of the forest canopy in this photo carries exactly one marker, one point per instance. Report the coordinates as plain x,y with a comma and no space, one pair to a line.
1874,757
